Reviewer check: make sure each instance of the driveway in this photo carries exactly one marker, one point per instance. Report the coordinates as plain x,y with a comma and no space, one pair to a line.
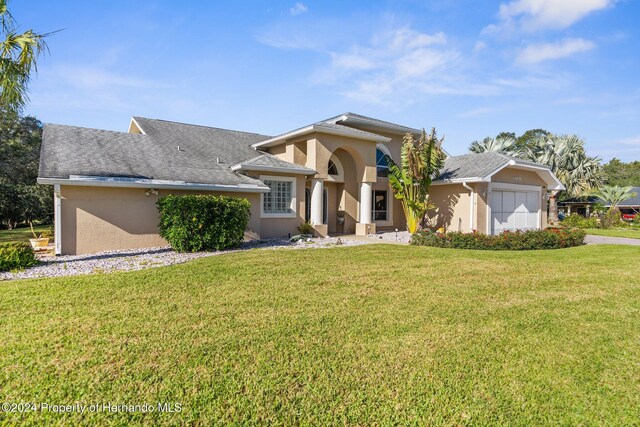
605,240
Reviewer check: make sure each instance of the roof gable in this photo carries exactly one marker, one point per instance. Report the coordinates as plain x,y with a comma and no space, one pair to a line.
480,167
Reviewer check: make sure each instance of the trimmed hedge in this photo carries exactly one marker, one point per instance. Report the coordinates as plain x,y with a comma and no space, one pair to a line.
194,223
16,256
551,238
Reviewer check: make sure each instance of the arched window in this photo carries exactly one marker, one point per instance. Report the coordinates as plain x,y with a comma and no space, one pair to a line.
335,169
382,166
332,169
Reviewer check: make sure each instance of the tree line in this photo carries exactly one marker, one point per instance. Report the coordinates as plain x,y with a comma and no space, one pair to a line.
22,200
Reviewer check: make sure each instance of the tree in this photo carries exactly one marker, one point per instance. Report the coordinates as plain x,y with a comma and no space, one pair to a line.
19,52
21,199
528,140
421,161
566,157
504,143
613,194
622,174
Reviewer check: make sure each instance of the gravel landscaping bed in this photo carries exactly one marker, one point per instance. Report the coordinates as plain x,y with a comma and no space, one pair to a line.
392,236
138,259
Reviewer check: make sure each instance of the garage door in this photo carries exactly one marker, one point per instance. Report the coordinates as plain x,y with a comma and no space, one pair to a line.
514,210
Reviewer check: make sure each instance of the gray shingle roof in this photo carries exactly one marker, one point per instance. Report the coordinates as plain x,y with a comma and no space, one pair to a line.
372,120
327,126
477,165
266,160
205,154
634,201
355,132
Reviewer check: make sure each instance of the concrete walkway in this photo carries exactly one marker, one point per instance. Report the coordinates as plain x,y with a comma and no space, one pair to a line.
605,240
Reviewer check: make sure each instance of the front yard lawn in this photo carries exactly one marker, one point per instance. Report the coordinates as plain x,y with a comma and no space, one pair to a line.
22,234
376,334
633,233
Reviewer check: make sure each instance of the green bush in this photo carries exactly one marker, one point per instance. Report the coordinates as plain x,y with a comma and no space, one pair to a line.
611,219
202,222
551,238
306,228
575,220
16,256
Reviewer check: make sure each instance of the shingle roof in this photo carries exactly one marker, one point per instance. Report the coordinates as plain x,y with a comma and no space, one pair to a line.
371,120
634,201
355,132
205,154
326,126
266,160
477,165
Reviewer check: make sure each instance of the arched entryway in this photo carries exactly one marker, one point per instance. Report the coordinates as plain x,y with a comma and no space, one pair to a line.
340,192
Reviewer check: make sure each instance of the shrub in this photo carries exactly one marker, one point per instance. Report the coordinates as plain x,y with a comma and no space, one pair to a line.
551,238
306,228
16,256
201,222
575,220
611,218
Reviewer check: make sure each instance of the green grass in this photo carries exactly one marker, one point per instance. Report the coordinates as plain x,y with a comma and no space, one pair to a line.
22,234
633,233
376,334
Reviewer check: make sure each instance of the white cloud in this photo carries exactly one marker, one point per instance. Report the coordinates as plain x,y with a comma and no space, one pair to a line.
480,45
534,15
399,65
551,13
632,140
540,52
298,9
94,88
397,61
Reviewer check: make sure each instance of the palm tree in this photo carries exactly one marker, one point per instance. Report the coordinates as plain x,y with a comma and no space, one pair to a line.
566,157
613,194
505,144
18,55
421,162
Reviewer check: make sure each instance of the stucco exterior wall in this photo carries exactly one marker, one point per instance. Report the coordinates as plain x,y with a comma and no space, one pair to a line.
480,207
511,175
96,219
452,201
281,227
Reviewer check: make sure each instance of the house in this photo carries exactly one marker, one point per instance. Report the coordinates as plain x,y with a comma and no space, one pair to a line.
332,173
584,206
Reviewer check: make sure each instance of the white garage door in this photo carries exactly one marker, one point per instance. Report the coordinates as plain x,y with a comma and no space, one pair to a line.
514,210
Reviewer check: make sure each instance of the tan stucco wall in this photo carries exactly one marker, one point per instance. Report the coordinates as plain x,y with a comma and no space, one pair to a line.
280,227
480,207
98,219
358,160
452,201
510,175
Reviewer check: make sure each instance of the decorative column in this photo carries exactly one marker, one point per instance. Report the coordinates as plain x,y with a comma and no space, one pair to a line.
316,201
366,203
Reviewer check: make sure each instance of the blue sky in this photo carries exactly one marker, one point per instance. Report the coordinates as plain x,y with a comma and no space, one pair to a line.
469,68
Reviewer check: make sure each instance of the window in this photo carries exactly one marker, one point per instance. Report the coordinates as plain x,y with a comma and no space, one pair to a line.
280,201
382,166
332,168
380,203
